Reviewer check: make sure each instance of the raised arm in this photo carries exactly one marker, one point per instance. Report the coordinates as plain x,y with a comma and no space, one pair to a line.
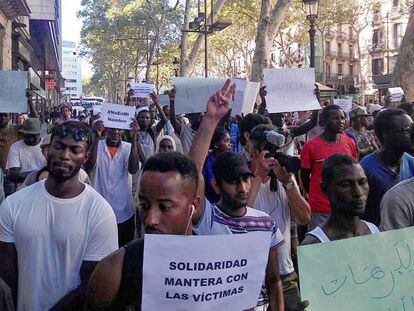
32,110
173,118
163,120
133,161
217,107
90,163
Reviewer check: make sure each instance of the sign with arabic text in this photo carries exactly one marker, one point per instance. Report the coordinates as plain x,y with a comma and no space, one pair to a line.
370,273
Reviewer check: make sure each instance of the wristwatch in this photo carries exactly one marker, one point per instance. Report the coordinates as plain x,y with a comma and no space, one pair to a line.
288,185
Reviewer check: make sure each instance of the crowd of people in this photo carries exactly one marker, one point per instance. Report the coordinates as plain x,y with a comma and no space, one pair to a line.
78,202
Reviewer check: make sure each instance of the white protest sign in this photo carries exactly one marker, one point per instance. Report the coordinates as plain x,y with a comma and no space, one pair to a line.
203,272
142,90
117,116
163,100
13,91
396,94
252,92
344,103
290,90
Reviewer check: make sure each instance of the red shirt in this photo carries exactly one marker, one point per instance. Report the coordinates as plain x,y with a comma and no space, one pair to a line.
314,152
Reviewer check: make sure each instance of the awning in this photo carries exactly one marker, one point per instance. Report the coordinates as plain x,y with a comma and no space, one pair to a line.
13,8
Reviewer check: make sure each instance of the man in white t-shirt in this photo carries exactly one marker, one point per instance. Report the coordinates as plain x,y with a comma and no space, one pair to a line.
25,155
53,233
112,161
280,203
232,180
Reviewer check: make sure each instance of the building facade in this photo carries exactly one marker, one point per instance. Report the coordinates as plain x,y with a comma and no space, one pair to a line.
337,63
382,40
71,70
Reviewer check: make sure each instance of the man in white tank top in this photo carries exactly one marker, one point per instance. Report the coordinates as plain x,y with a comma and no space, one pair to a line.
346,185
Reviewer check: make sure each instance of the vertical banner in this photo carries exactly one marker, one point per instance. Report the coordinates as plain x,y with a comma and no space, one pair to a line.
203,273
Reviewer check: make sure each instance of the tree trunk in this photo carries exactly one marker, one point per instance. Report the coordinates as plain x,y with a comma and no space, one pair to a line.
268,26
404,67
184,41
189,64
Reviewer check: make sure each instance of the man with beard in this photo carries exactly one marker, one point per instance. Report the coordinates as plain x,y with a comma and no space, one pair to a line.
346,185
54,232
232,181
25,155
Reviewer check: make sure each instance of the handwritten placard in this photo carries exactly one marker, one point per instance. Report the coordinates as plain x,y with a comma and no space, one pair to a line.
117,116
142,90
290,90
344,103
368,273
202,273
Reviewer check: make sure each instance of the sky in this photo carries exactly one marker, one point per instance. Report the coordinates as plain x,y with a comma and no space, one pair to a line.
71,28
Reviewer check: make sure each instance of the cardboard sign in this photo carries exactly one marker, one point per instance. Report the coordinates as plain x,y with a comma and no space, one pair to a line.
290,90
369,273
117,116
142,90
396,94
13,91
221,272
344,103
192,94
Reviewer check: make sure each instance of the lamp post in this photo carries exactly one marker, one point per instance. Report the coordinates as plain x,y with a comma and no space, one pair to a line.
176,64
340,76
311,9
200,25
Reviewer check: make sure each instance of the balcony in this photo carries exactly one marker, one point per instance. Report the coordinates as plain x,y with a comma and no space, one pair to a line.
396,12
376,48
352,57
331,53
13,8
377,19
343,55
346,79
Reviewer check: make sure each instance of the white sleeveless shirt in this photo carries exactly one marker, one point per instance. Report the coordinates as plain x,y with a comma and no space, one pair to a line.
318,232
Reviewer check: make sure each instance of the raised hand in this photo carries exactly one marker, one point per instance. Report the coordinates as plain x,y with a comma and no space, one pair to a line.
154,98
263,92
99,127
134,128
219,104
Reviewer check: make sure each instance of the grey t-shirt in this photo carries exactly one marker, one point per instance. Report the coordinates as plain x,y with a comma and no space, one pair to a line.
397,206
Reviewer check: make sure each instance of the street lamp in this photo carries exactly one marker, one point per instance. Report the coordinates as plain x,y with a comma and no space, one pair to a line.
200,25
176,64
311,9
340,76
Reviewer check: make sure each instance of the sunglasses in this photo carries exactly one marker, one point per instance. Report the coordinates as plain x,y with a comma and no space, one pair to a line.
76,133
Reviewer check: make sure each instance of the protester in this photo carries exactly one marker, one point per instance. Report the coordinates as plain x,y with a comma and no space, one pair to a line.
166,143
112,161
2,196
231,215
390,165
64,114
220,143
168,200
54,232
359,130
25,155
397,206
332,140
279,203
8,136
346,185
147,133
19,119
43,173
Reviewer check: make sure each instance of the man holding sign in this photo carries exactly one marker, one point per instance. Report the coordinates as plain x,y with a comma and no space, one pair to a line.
232,182
112,160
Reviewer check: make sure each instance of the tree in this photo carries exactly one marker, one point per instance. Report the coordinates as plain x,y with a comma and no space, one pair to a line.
404,67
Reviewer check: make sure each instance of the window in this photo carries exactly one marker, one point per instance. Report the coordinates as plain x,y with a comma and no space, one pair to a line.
70,80
340,68
328,70
351,70
377,66
397,35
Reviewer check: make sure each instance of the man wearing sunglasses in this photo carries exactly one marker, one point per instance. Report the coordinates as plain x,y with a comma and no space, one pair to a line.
54,232
391,164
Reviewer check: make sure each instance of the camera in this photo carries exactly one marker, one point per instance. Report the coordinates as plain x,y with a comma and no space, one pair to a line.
276,141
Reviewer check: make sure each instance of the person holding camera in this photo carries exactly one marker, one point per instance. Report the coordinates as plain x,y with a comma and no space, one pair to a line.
274,191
